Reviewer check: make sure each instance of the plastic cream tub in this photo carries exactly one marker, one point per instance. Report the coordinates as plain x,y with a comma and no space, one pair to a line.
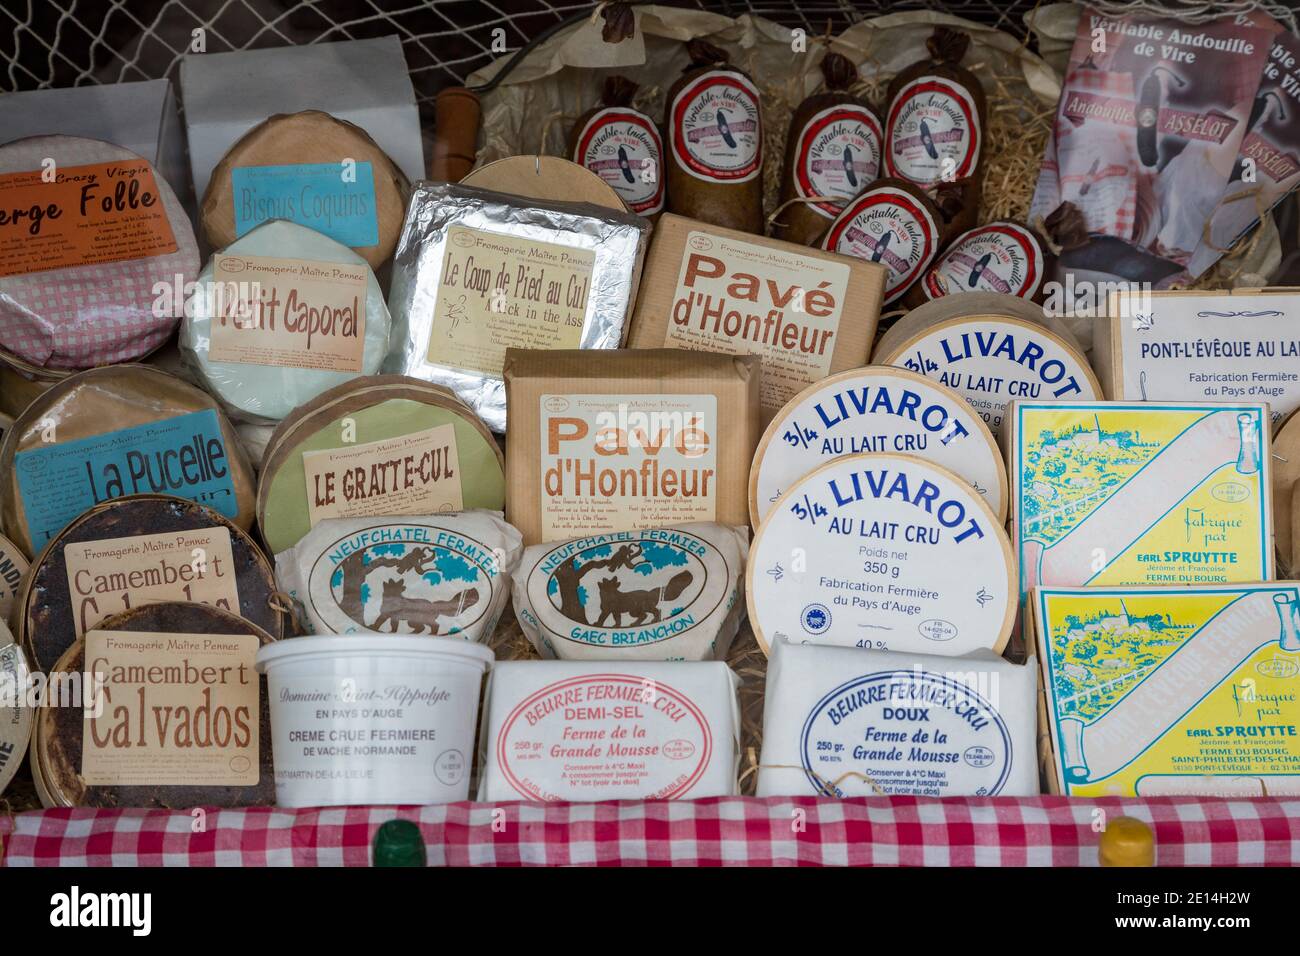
372,719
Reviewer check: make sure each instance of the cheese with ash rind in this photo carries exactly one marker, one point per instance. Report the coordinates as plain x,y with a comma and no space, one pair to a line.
990,349
441,575
658,594
844,723
587,731
875,409
883,551
1171,690
318,320
1115,493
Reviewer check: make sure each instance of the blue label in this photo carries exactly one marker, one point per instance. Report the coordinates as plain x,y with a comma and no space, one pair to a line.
183,456
314,195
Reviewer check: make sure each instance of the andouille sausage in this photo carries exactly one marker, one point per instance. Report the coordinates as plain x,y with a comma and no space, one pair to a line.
622,146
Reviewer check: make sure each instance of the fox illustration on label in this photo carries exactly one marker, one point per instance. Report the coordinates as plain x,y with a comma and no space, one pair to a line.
615,602
417,613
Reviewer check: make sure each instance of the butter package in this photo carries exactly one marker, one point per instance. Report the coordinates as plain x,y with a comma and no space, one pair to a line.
844,723
112,432
588,731
1117,493
139,550
875,409
1171,691
441,575
805,312
15,712
279,316
1202,347
662,594
618,441
990,348
178,716
477,272
380,445
883,551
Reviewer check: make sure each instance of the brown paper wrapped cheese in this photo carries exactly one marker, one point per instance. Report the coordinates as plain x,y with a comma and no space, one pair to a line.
177,729
935,123
715,143
832,153
112,432
893,223
138,550
622,146
296,166
626,440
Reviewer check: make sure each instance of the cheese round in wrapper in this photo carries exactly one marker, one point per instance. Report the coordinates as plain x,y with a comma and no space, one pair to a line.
132,551
883,551
81,264
875,409
441,575
587,731
659,594
320,320
381,445
15,715
112,432
840,722
213,748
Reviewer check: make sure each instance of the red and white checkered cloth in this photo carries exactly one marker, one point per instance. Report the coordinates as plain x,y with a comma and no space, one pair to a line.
1046,831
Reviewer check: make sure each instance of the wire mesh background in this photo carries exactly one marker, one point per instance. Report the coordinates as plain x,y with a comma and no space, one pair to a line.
72,42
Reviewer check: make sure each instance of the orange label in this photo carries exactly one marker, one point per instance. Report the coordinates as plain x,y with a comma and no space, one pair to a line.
85,215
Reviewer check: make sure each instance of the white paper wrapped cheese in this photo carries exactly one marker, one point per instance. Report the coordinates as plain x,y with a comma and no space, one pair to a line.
585,731
660,594
846,723
883,551
282,314
442,575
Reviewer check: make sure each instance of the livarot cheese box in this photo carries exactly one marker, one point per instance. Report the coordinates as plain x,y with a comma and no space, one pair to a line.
1241,346
1140,493
1171,690
607,441
805,312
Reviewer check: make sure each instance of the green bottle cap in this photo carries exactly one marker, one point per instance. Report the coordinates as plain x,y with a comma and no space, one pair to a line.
399,843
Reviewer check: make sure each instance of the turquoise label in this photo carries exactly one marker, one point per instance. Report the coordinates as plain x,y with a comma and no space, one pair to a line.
183,456
331,198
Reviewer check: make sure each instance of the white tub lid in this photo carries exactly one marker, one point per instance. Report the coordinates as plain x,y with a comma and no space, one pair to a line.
371,644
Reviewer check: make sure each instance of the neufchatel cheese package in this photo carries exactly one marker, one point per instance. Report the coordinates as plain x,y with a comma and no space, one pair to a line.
1173,690
841,722
1143,493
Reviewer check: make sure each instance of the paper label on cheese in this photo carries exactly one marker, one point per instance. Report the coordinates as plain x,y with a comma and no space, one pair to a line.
620,736
13,565
499,291
183,456
1112,493
623,148
933,132
1173,690
887,226
740,298
715,127
621,462
289,312
337,199
171,710
838,156
411,474
1001,257
116,574
405,578
663,590
15,715
82,216
876,410
1209,348
885,552
991,360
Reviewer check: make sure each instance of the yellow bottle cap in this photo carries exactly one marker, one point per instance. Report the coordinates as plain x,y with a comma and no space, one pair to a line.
1127,842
